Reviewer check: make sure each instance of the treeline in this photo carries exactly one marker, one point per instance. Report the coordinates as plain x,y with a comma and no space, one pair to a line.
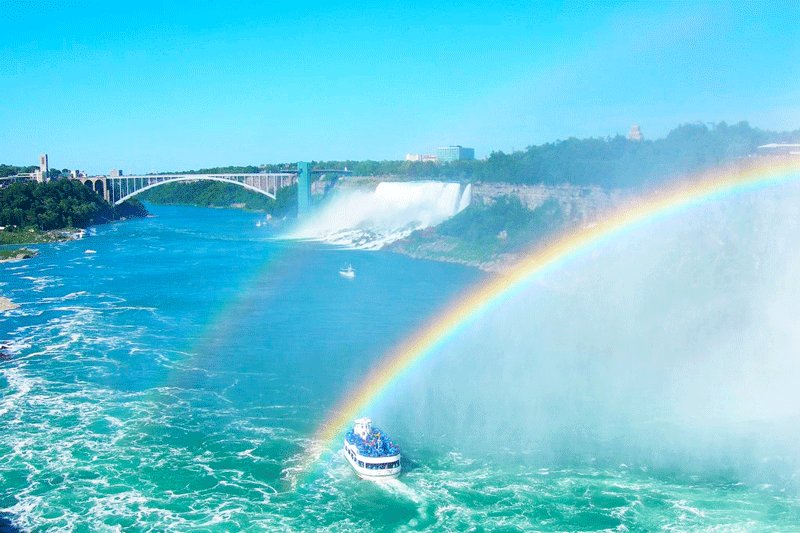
607,162
219,194
612,162
59,204
11,170
247,169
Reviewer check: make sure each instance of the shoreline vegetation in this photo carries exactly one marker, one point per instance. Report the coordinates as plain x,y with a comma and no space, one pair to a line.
26,236
55,211
501,224
17,254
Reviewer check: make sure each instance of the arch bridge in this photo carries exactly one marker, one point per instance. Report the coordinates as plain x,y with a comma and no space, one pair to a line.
117,189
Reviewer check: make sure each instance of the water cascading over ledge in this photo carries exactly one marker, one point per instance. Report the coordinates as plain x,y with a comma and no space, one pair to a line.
371,219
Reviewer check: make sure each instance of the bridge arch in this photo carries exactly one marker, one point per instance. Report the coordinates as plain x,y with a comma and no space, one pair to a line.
188,177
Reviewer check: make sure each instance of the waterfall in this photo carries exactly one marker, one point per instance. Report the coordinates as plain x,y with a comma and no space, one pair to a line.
370,219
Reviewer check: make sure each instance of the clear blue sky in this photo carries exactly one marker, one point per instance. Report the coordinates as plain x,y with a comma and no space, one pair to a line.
177,85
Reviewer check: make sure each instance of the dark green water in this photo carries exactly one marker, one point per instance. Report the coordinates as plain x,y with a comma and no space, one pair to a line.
172,380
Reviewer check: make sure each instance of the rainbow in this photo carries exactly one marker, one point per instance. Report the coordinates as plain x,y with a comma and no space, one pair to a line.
689,192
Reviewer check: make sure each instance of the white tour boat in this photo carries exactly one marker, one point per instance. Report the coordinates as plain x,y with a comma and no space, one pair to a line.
371,452
347,272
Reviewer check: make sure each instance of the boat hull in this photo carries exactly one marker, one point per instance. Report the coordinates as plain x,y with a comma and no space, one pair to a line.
373,468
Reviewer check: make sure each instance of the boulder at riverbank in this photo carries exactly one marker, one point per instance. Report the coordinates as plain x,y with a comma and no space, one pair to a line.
6,304
17,254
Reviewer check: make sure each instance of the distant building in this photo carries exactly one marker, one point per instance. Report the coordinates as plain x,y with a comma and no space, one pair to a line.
779,149
424,158
116,173
635,134
446,154
44,169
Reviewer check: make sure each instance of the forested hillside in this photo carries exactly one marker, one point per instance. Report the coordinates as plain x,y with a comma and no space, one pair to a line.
59,204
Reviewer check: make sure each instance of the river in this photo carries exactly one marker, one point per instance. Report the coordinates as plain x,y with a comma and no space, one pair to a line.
173,379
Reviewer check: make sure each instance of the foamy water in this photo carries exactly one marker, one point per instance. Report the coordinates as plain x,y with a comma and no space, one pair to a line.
369,220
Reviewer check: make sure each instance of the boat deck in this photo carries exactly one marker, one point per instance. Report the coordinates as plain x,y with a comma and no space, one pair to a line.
378,444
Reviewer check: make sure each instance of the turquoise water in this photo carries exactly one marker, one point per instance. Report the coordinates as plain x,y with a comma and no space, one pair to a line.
173,379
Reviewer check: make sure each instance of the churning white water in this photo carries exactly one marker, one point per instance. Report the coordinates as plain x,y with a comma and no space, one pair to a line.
370,219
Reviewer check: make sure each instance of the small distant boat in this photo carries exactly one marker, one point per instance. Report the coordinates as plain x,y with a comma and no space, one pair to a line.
371,452
347,272
258,224
89,252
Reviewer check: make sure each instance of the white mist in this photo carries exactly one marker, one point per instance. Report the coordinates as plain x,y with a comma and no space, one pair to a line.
371,219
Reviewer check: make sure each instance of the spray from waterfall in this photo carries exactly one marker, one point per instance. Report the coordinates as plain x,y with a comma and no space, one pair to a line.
370,219
674,346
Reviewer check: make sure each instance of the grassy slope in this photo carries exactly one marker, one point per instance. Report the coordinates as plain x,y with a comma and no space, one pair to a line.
482,234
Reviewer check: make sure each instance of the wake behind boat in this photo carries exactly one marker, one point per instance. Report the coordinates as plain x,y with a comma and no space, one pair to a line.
347,272
371,452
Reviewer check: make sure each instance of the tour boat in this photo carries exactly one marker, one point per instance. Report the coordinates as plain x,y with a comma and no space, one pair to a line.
347,272
371,452
89,252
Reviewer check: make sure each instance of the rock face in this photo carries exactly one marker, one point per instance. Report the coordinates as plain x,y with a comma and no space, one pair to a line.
17,255
578,203
577,207
6,304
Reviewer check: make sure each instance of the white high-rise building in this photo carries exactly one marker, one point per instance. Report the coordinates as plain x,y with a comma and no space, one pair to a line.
44,169
635,134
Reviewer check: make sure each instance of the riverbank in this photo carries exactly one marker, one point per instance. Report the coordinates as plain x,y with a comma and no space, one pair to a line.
37,213
446,251
17,254
505,221
37,236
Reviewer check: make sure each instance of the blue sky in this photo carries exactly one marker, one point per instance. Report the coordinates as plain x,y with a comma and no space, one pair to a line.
171,85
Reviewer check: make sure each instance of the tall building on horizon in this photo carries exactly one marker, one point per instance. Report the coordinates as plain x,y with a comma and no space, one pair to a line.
446,154
635,134
44,169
